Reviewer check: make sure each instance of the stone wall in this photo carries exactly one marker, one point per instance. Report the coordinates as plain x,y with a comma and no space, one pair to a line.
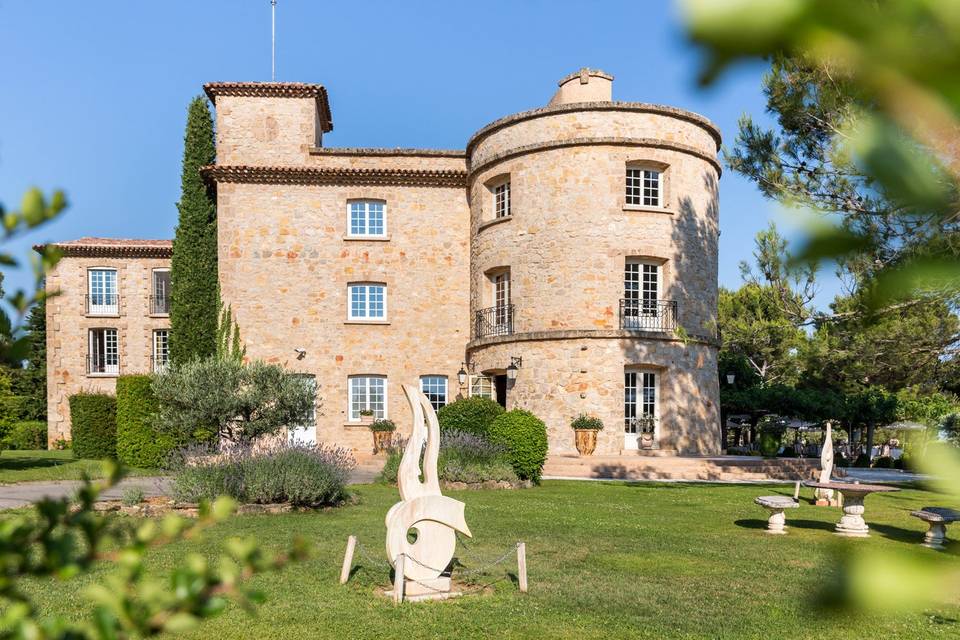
68,325
566,243
285,264
565,374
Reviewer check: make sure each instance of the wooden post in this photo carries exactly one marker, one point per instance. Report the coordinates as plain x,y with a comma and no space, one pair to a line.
398,580
348,559
522,566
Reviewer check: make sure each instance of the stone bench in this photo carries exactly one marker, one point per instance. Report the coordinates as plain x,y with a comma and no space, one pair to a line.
937,518
776,505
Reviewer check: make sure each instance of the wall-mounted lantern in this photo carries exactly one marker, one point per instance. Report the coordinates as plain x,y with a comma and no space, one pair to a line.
462,374
515,364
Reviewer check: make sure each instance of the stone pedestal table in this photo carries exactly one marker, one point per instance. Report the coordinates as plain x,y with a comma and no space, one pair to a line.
937,518
776,505
852,524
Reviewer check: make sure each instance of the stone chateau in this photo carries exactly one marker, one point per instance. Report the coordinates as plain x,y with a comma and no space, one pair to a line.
564,262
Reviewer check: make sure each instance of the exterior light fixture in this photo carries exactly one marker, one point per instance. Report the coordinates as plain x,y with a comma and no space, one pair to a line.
462,374
515,364
730,378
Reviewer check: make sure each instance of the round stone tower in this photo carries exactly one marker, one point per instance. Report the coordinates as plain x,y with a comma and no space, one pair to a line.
593,265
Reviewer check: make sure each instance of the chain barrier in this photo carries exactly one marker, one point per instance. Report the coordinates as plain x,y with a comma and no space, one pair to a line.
460,574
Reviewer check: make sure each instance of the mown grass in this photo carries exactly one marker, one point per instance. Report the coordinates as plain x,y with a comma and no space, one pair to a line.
28,466
606,560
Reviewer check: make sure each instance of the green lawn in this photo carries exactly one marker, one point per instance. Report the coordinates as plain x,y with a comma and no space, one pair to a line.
606,560
25,466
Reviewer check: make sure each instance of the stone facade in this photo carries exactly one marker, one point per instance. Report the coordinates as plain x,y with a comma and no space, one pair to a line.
70,318
287,259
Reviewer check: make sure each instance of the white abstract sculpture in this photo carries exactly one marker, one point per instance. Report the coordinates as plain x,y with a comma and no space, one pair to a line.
433,519
825,496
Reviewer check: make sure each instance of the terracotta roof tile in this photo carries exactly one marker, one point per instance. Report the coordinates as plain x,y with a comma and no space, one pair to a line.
112,247
275,90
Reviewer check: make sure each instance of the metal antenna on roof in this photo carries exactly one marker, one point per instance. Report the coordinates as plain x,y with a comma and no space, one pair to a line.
273,40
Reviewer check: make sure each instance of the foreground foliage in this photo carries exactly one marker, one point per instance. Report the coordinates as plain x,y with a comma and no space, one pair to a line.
66,539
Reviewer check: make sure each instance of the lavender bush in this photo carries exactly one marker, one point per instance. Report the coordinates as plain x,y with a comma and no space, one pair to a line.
464,457
302,475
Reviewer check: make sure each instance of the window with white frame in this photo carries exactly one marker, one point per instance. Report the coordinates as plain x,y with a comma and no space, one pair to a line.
367,218
501,199
368,301
640,400
103,352
503,318
435,388
481,387
644,187
368,393
160,298
161,350
641,284
102,297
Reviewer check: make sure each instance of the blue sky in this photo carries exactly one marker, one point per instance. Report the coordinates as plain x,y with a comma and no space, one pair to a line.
95,93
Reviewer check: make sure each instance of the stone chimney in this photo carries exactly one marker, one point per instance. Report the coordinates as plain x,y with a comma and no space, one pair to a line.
585,85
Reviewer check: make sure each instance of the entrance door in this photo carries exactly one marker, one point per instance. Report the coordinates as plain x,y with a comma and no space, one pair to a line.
641,408
500,383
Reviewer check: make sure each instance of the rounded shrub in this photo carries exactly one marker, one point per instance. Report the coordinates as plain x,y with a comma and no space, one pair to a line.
138,443
524,436
29,434
94,420
884,462
470,415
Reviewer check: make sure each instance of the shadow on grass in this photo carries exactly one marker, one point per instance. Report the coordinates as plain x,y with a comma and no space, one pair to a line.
751,523
810,524
896,533
22,464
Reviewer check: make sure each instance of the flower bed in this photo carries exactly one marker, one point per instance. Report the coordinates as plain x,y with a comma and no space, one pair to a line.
296,474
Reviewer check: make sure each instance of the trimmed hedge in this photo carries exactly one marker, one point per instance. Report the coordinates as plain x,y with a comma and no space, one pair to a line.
524,436
94,420
469,415
138,444
29,434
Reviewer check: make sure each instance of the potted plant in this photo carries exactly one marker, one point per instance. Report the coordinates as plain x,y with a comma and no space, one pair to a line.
647,428
382,430
771,429
366,416
585,429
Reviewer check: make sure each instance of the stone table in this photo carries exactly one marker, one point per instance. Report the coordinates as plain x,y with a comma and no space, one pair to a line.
852,524
776,505
937,518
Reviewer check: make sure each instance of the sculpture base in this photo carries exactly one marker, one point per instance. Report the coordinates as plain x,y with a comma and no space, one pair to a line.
421,590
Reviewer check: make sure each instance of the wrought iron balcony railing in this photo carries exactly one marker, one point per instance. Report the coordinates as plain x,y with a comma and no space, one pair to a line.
159,305
493,321
102,304
648,315
103,365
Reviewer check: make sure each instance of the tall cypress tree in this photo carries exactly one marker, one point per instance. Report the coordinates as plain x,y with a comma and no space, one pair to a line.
193,290
31,382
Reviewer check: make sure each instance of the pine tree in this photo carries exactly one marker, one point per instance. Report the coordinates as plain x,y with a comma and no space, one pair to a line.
194,294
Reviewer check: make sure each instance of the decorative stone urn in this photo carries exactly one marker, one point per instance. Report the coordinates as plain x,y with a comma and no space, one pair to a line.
586,441
648,427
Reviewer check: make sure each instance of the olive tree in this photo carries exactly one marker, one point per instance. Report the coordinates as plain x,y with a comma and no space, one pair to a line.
234,401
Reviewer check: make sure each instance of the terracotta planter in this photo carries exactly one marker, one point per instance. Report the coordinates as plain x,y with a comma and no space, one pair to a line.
586,441
647,441
367,420
381,440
